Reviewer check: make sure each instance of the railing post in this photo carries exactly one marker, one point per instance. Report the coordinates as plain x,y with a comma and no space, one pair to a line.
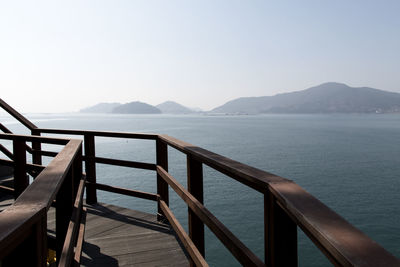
41,240
21,180
90,166
162,186
77,169
33,249
280,234
64,207
36,147
195,187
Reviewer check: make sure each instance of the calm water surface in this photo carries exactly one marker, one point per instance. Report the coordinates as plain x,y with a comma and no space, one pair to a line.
350,162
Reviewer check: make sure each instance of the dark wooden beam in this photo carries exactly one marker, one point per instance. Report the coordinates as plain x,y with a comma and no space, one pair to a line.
195,187
190,247
32,138
162,186
67,254
80,240
126,163
6,152
250,176
17,115
242,253
64,210
90,165
280,235
125,191
102,134
21,179
36,147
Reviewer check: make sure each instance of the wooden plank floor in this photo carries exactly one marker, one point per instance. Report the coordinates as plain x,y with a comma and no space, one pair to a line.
117,236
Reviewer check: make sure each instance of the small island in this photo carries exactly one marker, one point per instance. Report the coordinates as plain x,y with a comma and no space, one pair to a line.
136,108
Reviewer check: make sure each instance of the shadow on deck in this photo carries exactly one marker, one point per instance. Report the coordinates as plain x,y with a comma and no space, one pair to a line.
116,236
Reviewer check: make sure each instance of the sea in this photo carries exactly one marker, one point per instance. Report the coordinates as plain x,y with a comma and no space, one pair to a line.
351,162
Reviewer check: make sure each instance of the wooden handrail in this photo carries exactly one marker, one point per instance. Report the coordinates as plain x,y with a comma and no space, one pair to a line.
29,166
125,163
124,191
17,115
343,243
250,176
46,185
28,214
4,129
6,152
243,254
31,138
101,133
187,242
8,131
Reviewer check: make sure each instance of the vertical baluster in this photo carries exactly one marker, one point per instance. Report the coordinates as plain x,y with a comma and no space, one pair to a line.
64,207
280,235
21,180
162,186
90,166
36,147
195,187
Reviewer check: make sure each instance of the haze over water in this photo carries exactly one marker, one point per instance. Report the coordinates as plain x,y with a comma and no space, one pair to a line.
349,162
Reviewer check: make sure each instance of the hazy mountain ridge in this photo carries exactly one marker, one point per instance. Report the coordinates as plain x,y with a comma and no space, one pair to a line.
101,108
136,107
171,107
324,98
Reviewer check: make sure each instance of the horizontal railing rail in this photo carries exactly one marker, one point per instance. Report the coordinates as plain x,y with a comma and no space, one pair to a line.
101,133
250,176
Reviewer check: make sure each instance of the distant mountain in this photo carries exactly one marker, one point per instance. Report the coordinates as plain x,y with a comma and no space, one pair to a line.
196,109
170,107
324,98
136,108
100,108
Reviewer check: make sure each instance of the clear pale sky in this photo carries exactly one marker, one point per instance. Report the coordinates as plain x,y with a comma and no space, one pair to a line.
60,56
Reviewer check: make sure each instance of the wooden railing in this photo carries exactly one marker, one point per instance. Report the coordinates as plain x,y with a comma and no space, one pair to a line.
286,206
24,240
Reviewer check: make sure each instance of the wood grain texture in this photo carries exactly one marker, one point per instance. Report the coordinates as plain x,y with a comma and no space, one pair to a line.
116,236
196,256
242,253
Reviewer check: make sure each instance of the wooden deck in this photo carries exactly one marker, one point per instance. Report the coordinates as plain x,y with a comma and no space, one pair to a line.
117,236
